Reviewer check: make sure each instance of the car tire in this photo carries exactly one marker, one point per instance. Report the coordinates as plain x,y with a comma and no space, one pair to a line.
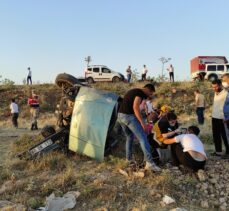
116,79
212,77
47,131
90,80
66,80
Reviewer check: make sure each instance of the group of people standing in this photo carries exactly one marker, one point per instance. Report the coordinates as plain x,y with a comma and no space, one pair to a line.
220,114
34,105
144,72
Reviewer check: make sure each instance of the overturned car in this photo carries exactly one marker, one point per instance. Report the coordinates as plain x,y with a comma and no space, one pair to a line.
86,120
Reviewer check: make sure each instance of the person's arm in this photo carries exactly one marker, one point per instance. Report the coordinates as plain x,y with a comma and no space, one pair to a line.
176,139
196,100
145,107
136,108
169,134
169,141
165,131
11,108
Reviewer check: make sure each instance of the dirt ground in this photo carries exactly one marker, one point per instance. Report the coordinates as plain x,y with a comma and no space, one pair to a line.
9,136
101,182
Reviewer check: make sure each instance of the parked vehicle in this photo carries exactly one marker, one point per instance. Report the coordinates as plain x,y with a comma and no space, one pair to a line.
95,73
199,67
215,71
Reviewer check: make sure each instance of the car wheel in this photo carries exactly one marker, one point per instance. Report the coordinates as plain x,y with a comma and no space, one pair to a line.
116,79
47,131
64,80
212,77
90,80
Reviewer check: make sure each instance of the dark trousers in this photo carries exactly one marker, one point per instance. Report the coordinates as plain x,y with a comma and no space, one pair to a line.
171,76
227,125
200,115
218,131
184,158
128,78
29,79
14,119
143,77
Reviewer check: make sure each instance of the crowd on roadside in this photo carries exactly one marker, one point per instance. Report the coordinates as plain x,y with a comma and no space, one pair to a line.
144,71
158,129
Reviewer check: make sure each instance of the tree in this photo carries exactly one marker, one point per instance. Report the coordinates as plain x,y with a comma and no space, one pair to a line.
6,81
135,75
24,81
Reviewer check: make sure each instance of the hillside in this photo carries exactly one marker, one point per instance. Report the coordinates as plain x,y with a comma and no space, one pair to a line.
50,94
110,185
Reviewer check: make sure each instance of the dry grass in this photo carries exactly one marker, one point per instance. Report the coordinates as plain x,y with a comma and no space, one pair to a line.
100,184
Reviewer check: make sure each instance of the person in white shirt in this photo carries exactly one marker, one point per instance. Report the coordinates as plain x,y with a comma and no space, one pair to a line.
188,150
171,72
219,114
29,77
144,72
14,111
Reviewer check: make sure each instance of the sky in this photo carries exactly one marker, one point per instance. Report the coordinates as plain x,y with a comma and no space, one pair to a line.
55,36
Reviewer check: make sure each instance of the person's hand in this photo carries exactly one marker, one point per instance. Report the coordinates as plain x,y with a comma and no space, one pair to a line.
145,127
178,131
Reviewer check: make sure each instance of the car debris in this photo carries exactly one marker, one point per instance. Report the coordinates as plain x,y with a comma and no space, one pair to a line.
85,118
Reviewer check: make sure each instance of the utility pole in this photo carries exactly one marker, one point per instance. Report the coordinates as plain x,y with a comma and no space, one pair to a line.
163,61
88,60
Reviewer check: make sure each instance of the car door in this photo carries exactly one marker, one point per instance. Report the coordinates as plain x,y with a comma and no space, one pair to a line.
96,74
227,68
106,74
220,70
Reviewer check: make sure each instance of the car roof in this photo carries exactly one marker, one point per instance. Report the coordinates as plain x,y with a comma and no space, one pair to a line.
218,64
97,66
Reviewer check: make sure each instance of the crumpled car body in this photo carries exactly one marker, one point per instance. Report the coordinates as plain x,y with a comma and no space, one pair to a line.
91,118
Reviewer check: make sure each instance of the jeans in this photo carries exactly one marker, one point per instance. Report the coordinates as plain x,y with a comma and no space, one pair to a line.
200,115
128,78
131,127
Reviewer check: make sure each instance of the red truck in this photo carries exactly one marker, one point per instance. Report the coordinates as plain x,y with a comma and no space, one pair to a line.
199,63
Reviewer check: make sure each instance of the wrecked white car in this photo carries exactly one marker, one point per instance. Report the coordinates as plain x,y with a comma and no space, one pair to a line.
86,118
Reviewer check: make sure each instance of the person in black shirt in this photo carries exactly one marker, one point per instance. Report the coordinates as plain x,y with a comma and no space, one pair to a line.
132,123
166,127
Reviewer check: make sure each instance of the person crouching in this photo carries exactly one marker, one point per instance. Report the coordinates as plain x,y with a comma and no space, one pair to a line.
188,150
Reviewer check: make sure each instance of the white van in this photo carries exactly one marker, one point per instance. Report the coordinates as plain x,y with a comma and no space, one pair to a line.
96,73
215,71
